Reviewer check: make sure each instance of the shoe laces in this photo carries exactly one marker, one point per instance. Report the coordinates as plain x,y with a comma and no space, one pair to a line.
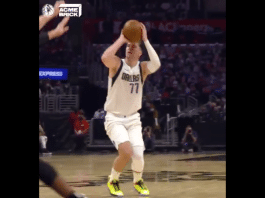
116,185
141,184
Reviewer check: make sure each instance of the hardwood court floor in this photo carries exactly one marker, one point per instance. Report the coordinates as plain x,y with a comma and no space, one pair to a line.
197,175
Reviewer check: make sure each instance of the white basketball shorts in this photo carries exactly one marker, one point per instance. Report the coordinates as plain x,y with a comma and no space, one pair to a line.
121,129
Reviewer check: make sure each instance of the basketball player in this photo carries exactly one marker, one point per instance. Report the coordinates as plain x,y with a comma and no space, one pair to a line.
46,172
124,99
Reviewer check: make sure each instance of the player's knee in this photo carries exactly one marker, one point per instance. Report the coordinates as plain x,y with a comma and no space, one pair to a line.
137,156
138,159
138,153
46,173
125,151
127,155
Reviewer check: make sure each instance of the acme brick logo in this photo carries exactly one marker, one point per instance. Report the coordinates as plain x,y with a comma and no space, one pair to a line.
70,10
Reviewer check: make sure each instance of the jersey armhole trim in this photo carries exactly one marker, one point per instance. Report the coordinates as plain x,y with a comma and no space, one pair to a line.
141,73
117,74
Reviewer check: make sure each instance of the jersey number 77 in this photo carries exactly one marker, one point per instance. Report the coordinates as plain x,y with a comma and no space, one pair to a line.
136,85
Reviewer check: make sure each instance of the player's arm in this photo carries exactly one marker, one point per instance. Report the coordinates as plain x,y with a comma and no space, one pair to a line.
109,57
58,31
154,64
43,20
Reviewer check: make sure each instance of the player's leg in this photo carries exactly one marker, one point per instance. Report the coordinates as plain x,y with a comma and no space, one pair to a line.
50,177
43,141
136,140
137,168
125,153
137,163
61,187
119,137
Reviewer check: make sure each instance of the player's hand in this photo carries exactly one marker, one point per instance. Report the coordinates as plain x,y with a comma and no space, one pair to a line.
56,8
123,39
61,27
144,33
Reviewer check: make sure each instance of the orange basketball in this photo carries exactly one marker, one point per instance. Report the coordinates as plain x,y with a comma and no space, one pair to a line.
132,31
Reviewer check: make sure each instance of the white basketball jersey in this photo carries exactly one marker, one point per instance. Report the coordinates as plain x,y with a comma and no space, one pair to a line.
125,90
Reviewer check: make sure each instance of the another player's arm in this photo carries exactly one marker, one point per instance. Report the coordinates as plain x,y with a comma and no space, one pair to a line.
109,57
153,65
43,20
58,31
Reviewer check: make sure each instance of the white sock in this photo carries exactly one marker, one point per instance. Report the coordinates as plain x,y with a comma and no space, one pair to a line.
114,175
43,140
137,176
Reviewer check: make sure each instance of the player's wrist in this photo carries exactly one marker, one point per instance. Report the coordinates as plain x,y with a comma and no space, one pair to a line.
146,41
51,34
122,40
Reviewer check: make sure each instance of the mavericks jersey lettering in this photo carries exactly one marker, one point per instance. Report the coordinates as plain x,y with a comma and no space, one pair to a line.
125,90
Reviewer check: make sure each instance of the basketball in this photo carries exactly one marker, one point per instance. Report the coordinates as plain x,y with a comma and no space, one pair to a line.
132,31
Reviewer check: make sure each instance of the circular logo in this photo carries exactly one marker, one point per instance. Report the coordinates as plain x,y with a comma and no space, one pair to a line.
47,10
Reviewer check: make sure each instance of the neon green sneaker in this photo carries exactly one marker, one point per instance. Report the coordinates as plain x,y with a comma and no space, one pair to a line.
114,188
141,188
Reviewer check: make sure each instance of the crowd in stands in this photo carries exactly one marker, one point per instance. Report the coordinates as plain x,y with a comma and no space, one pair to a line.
47,87
214,110
150,9
61,50
195,71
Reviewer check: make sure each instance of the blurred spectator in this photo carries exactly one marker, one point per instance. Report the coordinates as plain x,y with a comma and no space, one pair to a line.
165,98
63,87
165,5
58,88
73,116
43,140
107,33
80,127
213,110
190,141
147,112
156,126
99,114
181,5
149,139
